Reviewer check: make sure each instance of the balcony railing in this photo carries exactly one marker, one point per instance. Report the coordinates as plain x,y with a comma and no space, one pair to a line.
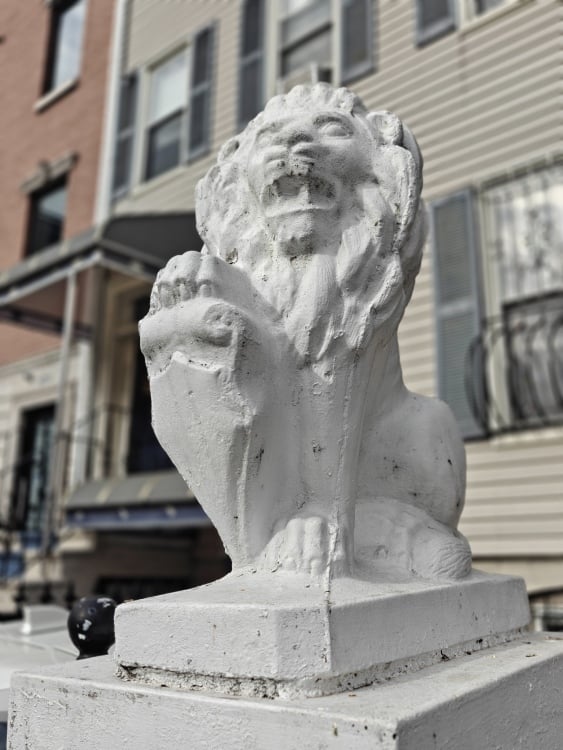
514,367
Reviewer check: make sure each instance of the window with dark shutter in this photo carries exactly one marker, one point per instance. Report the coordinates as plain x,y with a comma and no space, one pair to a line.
200,95
125,136
251,76
167,114
47,216
357,38
457,306
434,18
65,43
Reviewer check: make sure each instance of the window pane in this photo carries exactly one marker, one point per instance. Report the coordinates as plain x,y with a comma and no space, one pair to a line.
122,168
315,50
169,88
252,35
356,21
202,54
482,6
67,49
433,11
251,89
309,21
525,234
47,219
127,102
199,120
164,146
294,6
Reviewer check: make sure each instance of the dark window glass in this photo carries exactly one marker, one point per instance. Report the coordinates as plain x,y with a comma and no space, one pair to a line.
202,58
357,37
198,121
31,481
200,100
47,215
315,49
164,145
251,85
306,36
125,135
250,89
483,6
434,18
127,102
252,30
168,98
67,31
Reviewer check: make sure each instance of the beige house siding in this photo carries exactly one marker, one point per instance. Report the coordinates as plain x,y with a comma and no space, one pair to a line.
482,101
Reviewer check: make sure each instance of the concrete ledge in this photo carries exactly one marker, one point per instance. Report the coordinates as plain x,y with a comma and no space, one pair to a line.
504,698
280,635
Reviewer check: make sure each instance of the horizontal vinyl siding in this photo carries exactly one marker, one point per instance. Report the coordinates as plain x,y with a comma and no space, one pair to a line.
481,104
515,495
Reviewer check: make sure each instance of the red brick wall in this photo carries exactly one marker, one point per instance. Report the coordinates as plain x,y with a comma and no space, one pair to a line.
72,123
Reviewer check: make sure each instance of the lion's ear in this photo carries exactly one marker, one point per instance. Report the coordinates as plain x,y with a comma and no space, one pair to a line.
390,131
387,128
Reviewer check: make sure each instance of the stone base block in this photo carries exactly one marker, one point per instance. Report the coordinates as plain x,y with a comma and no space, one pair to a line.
505,697
280,635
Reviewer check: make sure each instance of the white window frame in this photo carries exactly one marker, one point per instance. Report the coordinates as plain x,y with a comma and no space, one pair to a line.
465,18
145,74
272,46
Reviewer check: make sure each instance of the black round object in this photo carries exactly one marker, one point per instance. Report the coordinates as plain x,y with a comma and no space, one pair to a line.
90,625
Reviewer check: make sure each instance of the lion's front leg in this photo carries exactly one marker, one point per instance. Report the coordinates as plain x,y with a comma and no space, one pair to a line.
217,382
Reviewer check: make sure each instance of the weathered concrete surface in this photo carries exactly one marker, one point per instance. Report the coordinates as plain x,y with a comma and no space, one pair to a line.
507,698
280,634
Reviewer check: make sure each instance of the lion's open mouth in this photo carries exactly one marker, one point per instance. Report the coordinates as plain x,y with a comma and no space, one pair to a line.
298,191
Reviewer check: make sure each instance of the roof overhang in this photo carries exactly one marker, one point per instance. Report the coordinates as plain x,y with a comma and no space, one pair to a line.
137,245
154,500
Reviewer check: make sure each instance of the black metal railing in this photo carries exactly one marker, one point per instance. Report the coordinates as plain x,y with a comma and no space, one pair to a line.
514,367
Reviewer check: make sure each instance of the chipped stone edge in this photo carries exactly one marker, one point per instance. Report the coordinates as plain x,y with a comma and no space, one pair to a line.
309,687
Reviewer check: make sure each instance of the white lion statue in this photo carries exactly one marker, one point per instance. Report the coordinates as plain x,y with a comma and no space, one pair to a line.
273,356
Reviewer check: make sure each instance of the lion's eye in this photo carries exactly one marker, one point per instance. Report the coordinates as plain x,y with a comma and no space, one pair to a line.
334,129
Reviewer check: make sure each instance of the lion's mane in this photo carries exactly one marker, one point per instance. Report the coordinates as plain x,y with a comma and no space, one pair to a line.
226,222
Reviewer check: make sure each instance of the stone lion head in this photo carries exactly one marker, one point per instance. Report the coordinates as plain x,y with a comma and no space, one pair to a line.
317,184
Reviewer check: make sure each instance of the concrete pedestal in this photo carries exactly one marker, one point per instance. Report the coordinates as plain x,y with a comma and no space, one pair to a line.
282,636
506,697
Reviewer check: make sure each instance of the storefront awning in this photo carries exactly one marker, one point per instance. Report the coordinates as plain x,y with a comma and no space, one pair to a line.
152,500
32,292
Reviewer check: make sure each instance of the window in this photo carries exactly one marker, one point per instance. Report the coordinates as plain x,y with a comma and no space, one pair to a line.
179,121
523,241
251,77
47,216
434,18
125,135
307,45
357,38
457,304
32,475
65,44
503,370
168,101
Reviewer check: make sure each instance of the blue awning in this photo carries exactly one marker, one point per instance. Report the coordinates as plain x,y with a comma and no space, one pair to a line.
151,500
